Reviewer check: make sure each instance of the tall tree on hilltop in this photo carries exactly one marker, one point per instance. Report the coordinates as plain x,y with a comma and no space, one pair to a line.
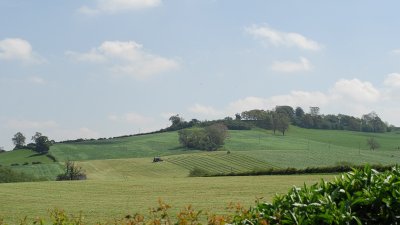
18,140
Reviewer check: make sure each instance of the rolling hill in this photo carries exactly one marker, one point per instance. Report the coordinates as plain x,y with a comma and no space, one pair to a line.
250,149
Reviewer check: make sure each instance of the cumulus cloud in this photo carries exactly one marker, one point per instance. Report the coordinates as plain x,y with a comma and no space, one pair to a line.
396,51
280,38
350,96
127,58
205,110
392,80
116,6
291,67
355,89
133,118
19,50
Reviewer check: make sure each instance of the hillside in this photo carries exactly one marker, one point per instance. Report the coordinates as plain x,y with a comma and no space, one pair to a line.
250,149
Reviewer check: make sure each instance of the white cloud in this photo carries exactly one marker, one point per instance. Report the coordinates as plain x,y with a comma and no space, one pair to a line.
127,58
294,98
205,110
355,89
133,118
352,96
279,38
116,6
19,50
27,124
91,56
291,67
392,80
396,51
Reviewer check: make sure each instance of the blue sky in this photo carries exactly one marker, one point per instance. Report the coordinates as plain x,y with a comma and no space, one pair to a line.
104,68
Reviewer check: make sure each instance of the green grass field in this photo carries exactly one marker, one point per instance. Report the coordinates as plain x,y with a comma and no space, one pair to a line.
22,156
130,147
122,179
103,200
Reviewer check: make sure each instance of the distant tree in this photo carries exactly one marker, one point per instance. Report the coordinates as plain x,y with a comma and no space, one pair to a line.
283,122
255,114
209,138
299,112
238,116
314,111
36,136
372,143
42,144
176,120
287,110
72,172
372,123
19,140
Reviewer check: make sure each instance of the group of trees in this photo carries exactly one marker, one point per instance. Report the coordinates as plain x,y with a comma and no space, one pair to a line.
40,144
208,138
282,116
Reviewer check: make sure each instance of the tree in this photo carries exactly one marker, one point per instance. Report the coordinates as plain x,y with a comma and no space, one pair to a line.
372,143
314,111
299,112
72,172
238,116
42,144
209,138
283,122
36,136
287,110
19,140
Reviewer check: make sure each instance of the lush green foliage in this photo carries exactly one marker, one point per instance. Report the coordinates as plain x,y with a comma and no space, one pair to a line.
8,175
18,140
209,138
359,197
200,172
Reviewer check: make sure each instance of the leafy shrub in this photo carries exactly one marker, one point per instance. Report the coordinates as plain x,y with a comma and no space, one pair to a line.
72,172
9,176
291,171
25,163
15,164
359,197
209,138
34,163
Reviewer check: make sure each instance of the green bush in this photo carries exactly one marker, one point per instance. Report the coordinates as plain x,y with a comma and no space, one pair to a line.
358,197
209,138
8,175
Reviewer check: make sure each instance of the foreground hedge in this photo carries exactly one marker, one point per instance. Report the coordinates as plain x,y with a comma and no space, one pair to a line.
359,197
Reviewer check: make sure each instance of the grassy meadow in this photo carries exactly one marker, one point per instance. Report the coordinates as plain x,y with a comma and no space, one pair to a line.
103,200
122,179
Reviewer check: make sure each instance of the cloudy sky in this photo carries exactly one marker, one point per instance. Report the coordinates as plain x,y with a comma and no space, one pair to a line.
101,68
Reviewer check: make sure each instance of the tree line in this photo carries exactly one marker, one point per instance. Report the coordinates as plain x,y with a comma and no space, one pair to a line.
41,144
210,135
